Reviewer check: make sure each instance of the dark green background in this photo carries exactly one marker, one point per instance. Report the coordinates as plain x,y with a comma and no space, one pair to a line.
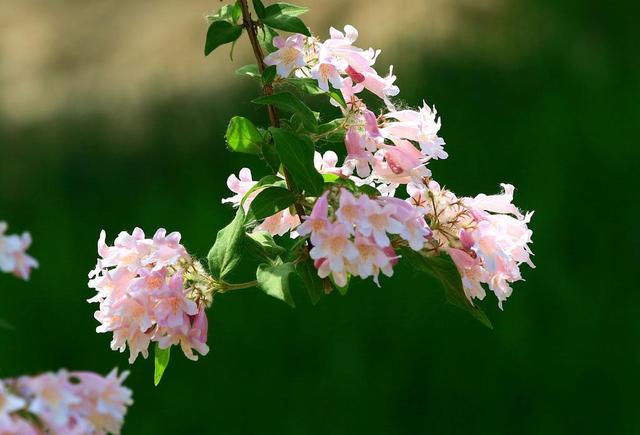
559,121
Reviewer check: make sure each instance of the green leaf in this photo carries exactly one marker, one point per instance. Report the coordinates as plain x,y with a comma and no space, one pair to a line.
269,180
297,156
262,245
219,33
331,178
337,97
268,75
289,102
312,282
269,202
310,86
285,9
258,6
286,23
444,270
274,280
333,132
161,361
224,13
250,70
236,11
270,156
243,137
226,252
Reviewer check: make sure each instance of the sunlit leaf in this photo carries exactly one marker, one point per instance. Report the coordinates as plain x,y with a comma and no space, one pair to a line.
226,252
250,70
161,361
243,137
274,280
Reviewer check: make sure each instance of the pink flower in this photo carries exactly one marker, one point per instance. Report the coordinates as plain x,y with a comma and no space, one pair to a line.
349,90
358,156
372,259
64,403
145,291
496,203
334,246
352,210
400,163
420,126
316,223
289,56
325,72
13,253
53,398
326,163
240,186
16,425
104,399
9,403
379,222
413,227
280,223
383,87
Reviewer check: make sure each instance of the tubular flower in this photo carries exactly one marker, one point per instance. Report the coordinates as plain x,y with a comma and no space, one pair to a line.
64,403
13,253
150,290
289,56
419,126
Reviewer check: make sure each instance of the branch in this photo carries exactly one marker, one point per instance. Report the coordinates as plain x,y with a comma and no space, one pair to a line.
250,27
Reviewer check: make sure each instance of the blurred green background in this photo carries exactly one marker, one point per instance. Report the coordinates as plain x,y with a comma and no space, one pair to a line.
110,117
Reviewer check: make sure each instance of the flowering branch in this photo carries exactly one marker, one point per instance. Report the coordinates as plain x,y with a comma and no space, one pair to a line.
366,203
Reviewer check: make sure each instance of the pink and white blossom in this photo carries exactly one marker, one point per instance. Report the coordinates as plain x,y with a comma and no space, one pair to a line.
289,56
13,253
80,403
145,288
326,163
420,126
240,186
356,240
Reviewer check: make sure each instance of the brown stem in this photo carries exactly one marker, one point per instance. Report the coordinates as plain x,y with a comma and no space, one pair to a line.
250,27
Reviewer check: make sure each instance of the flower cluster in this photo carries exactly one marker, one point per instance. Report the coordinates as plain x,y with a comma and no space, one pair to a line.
13,253
332,61
354,238
379,149
487,237
64,403
150,290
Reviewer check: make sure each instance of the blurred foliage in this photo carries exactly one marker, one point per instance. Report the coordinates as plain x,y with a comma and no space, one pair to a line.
558,121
